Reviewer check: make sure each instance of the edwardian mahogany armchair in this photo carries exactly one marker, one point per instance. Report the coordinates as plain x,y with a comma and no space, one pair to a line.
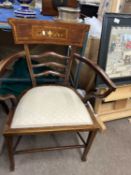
51,108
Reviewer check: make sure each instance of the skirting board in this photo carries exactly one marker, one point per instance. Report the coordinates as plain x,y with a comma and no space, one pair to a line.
115,115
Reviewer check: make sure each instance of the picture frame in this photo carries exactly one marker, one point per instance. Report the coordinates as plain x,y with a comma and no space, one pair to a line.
115,48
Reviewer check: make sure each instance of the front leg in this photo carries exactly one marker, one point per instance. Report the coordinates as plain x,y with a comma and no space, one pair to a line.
89,142
9,143
1,143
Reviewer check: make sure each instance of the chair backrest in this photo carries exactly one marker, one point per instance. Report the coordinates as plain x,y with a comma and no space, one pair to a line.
28,32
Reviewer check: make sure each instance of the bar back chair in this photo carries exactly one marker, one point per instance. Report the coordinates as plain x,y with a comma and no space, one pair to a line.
51,108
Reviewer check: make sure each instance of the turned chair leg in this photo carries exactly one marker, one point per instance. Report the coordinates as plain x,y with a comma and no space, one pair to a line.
1,144
9,143
89,142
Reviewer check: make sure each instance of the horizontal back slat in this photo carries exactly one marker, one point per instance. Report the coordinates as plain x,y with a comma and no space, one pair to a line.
50,54
50,72
50,64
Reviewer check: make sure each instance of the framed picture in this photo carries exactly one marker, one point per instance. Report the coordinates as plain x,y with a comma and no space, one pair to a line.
115,48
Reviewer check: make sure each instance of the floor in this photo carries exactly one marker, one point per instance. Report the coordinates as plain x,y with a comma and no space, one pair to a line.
109,155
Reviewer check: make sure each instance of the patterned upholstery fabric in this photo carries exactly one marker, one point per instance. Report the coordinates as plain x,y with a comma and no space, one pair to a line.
50,106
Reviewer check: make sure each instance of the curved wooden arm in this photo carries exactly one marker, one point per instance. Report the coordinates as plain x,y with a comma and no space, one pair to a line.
6,97
3,65
7,61
111,86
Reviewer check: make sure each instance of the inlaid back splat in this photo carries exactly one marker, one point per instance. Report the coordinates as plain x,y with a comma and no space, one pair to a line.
29,32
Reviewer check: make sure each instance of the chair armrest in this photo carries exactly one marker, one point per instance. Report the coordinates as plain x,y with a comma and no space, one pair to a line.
6,97
99,71
4,63
96,119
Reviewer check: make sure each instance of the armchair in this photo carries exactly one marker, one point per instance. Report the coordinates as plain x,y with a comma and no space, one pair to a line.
51,108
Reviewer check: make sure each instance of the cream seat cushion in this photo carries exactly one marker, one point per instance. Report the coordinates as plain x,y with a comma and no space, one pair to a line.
50,106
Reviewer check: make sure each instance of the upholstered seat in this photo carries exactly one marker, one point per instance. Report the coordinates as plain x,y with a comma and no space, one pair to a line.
50,106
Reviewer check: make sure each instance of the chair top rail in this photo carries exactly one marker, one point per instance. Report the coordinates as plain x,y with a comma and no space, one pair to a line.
28,31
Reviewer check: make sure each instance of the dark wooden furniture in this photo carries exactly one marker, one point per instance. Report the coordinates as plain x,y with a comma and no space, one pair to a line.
49,7
59,108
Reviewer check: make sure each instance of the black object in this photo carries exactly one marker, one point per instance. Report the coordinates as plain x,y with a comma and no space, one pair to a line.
89,10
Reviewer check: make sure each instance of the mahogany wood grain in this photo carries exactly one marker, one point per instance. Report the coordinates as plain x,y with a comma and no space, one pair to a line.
49,64
49,9
28,31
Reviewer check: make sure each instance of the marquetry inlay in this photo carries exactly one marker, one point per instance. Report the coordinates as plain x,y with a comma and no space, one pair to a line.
48,32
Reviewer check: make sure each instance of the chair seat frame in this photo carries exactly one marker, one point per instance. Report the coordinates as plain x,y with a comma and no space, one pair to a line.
9,134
